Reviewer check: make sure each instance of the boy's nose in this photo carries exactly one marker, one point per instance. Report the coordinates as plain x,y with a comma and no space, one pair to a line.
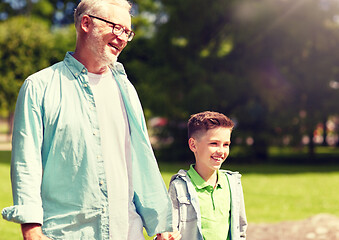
221,150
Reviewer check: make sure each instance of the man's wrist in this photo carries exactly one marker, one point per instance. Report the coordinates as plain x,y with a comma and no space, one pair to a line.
31,230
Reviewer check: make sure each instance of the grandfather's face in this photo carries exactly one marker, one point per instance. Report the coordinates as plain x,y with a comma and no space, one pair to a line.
103,44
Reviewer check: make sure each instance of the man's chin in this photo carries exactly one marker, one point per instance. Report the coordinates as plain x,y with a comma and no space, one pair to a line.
109,61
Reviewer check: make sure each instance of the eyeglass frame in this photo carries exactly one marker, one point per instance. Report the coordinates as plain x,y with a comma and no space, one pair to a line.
129,33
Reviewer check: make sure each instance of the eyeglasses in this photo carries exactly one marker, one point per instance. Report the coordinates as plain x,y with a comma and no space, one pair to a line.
117,29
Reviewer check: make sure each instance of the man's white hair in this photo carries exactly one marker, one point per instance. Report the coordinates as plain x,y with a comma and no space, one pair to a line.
96,7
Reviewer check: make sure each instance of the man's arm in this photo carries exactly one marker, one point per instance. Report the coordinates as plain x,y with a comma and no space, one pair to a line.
26,163
32,231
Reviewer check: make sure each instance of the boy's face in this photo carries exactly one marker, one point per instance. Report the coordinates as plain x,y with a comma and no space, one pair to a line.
211,148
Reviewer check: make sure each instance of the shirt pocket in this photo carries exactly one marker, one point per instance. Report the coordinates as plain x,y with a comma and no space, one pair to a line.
187,211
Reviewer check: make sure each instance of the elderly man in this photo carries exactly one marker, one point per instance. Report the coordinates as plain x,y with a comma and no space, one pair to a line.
82,164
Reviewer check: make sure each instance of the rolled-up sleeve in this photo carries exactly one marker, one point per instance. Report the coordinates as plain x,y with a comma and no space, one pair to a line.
26,163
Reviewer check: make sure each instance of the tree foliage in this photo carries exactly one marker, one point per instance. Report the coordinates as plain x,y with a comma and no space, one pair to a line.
292,59
264,63
269,65
27,45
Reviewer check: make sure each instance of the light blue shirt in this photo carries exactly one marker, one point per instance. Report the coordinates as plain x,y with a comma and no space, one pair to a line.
57,169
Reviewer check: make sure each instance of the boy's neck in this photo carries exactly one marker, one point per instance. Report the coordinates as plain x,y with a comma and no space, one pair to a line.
209,176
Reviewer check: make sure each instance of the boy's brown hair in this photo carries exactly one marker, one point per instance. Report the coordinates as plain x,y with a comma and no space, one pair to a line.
203,121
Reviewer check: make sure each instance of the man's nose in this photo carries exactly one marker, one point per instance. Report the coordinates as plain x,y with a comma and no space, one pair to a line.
123,37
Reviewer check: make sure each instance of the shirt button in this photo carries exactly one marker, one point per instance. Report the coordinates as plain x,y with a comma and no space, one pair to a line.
101,183
85,85
103,210
76,74
83,70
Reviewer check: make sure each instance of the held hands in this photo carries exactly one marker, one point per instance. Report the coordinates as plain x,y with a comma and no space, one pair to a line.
169,236
32,231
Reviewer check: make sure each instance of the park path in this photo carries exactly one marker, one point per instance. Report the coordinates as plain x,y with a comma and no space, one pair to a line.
318,227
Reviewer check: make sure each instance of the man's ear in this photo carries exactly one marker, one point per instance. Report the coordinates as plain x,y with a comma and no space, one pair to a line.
86,21
192,144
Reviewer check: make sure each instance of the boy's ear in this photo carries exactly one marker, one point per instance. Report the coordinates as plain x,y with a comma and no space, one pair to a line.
191,144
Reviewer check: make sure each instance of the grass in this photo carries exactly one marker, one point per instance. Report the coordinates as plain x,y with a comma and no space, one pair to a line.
276,193
273,193
274,197
8,230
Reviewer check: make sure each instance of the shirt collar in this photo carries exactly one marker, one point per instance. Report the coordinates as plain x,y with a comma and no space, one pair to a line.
77,68
200,183
196,179
74,65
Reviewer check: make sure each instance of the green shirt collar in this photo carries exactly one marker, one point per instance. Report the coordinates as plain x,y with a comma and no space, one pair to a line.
200,183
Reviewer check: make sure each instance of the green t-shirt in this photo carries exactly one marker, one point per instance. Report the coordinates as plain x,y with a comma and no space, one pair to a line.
214,205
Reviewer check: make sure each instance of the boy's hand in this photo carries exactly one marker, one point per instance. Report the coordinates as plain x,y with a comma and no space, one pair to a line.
169,235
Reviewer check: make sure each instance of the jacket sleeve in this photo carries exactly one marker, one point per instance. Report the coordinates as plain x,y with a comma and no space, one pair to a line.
26,165
242,214
175,205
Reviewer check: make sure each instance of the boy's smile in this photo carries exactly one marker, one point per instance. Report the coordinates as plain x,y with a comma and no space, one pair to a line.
210,148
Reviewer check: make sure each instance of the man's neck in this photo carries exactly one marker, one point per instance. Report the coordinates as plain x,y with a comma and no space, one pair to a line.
90,63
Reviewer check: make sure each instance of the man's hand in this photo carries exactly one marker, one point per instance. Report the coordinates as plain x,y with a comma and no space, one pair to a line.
169,236
32,231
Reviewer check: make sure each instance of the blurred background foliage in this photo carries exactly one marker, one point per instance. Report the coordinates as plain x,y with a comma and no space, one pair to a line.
272,66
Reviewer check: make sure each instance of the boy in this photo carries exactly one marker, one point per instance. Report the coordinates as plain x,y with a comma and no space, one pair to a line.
207,202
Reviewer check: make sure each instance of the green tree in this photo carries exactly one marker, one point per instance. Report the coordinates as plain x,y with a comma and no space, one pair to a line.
54,11
185,67
264,63
291,60
27,45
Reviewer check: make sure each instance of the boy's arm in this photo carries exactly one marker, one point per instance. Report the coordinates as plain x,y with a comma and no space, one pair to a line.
175,216
175,205
242,215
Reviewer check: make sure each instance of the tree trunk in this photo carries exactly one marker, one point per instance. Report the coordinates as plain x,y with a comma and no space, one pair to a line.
311,146
324,132
10,125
